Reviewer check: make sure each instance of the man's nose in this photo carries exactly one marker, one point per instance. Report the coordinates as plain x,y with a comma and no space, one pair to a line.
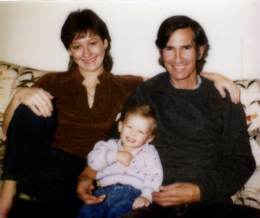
178,56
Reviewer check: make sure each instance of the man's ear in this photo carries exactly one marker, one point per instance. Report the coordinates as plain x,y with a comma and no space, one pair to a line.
201,51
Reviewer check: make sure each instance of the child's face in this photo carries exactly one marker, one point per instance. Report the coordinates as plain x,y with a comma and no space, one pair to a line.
135,131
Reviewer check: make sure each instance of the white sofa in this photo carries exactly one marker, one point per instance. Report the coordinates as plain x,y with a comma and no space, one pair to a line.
15,76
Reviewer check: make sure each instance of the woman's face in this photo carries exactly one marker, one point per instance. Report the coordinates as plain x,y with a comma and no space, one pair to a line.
88,51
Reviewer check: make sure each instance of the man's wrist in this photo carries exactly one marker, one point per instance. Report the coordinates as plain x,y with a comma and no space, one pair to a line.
84,177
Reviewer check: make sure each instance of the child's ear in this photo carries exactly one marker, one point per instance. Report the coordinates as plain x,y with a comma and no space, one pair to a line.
150,139
120,126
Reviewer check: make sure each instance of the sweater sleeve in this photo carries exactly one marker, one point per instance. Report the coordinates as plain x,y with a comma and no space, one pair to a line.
153,172
48,82
102,155
236,164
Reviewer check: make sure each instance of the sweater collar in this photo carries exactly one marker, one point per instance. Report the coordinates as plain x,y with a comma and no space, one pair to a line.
75,74
166,84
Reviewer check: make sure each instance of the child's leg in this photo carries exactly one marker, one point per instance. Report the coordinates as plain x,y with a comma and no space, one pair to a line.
96,210
120,200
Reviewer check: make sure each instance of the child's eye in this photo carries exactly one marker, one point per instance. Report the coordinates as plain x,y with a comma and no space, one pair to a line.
93,43
140,132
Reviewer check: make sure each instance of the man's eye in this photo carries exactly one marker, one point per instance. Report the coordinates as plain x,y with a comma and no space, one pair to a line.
187,47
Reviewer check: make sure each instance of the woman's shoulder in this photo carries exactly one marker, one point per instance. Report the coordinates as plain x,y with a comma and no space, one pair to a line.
126,81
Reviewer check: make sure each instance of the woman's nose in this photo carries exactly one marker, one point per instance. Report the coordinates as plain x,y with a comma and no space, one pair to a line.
86,51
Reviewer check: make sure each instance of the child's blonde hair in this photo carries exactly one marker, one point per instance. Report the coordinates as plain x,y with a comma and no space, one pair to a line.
143,110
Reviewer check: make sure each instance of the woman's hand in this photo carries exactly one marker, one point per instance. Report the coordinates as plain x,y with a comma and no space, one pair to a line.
177,194
224,84
37,99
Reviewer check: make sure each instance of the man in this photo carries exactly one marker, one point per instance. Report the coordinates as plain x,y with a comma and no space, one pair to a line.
202,138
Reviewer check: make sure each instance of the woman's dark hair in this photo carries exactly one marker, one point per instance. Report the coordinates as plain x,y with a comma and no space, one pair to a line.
82,21
171,24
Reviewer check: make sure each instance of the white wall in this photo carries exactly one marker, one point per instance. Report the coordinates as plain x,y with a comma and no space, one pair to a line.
29,33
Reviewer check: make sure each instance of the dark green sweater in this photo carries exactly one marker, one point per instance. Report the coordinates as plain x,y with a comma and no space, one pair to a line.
201,137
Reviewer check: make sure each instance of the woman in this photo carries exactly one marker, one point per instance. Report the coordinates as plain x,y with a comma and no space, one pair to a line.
53,125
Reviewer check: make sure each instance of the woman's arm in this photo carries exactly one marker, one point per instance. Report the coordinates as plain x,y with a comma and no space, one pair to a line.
224,84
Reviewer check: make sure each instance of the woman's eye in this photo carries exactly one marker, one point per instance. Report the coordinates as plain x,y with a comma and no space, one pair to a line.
168,48
75,47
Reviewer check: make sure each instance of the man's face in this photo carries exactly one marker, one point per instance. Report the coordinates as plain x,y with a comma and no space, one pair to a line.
179,57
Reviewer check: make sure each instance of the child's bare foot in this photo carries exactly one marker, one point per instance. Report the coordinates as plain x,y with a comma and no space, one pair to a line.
7,193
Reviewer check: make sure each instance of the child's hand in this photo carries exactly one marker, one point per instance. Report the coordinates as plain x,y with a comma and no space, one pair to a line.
141,202
124,157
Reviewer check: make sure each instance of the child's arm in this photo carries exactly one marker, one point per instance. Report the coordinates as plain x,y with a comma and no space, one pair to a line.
103,154
153,171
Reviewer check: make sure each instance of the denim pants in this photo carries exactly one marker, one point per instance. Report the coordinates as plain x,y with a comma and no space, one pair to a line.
118,201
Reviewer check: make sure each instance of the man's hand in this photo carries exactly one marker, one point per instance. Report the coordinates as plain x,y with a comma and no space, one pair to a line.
140,202
84,189
124,157
37,99
177,194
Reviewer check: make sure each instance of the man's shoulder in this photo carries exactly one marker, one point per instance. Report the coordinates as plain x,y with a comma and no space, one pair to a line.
210,92
155,81
209,89
125,81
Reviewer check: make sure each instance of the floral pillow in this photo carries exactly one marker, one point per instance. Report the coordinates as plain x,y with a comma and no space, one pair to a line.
250,98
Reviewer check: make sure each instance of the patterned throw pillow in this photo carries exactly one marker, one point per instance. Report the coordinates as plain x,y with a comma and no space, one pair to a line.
250,98
8,75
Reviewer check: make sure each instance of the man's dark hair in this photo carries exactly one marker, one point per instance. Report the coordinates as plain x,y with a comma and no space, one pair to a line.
171,24
80,22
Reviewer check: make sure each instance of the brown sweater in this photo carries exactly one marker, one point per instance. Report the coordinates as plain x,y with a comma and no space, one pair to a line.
79,126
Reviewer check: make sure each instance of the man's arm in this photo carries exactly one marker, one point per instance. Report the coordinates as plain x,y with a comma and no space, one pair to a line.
86,185
236,163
